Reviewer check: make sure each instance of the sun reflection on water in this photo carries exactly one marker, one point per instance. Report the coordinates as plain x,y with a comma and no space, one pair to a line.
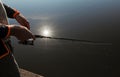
45,31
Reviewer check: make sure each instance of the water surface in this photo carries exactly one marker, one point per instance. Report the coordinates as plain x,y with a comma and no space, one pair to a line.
94,20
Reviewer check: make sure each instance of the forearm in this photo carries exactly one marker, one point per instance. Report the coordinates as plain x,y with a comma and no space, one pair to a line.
21,32
13,13
22,21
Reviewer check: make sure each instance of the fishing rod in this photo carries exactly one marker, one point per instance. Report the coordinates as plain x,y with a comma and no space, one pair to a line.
31,42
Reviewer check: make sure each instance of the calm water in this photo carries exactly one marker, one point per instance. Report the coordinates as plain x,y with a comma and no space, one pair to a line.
94,20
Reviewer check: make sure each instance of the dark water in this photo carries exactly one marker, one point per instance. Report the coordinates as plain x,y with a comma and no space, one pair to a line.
94,20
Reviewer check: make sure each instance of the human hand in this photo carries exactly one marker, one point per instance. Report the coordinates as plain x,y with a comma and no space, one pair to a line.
22,21
21,33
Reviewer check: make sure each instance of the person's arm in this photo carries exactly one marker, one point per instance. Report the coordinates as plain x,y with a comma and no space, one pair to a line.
22,20
20,32
13,13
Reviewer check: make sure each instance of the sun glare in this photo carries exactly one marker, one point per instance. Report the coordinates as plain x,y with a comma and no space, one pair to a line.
46,33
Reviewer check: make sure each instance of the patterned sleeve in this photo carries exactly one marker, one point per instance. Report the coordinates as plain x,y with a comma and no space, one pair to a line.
4,31
11,13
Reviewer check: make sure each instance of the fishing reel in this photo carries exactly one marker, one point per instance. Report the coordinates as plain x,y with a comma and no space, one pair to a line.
27,42
30,41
